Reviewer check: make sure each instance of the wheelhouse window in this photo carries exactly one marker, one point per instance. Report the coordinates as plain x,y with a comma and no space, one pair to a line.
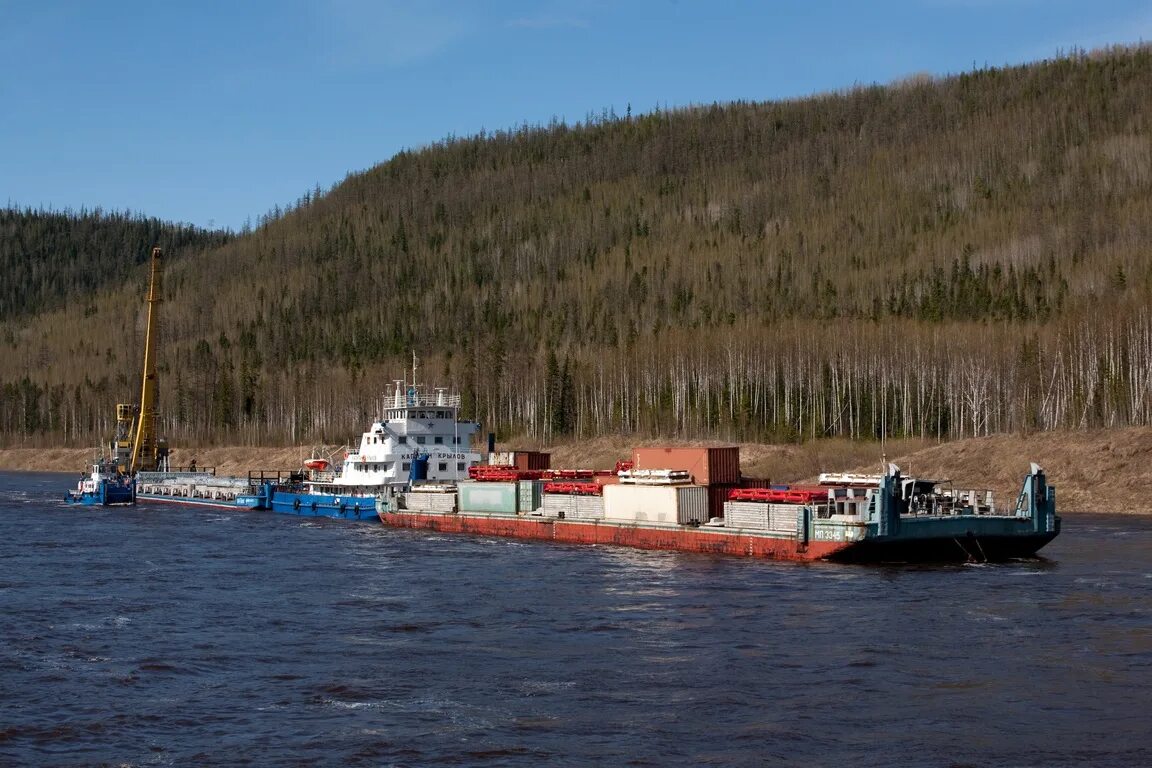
439,440
421,439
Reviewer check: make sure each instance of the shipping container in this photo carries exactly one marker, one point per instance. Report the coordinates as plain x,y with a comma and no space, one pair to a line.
668,504
586,508
557,505
778,518
489,497
441,501
717,496
755,482
707,465
531,492
521,459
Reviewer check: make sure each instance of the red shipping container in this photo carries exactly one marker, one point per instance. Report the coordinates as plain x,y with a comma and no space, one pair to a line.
717,495
708,466
755,482
522,459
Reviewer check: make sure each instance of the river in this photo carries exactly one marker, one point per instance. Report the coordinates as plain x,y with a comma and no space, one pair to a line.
167,635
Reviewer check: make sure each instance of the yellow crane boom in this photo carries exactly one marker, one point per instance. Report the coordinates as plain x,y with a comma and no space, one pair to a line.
147,453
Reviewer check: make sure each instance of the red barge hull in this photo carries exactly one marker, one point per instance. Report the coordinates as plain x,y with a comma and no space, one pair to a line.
703,540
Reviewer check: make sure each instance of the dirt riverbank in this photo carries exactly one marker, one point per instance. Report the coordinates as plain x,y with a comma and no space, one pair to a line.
1094,471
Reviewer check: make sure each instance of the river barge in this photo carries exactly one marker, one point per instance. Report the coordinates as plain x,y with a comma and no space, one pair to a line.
204,488
847,518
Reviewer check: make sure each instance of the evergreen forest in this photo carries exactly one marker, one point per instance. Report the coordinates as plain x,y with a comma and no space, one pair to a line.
940,258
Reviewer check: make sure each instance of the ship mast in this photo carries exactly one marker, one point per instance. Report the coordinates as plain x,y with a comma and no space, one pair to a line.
145,450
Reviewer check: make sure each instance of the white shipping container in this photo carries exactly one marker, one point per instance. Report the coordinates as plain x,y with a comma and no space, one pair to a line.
746,514
430,501
558,505
664,504
779,518
587,508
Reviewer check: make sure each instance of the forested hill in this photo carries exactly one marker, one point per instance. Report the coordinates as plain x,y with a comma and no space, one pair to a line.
50,259
934,257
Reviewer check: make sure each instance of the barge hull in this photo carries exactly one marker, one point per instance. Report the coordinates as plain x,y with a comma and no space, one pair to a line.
191,501
950,549
702,540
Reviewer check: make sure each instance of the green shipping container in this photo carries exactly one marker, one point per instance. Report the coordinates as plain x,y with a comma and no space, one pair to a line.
531,495
489,497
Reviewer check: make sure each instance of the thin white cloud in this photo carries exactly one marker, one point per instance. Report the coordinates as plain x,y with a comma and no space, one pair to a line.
392,33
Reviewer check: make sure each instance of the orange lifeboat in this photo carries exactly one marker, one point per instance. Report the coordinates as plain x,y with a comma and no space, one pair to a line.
316,464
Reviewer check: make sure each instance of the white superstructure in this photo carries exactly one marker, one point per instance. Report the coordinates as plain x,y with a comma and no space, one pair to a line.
415,425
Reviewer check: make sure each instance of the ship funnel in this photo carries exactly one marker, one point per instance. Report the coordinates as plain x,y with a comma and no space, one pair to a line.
440,399
398,396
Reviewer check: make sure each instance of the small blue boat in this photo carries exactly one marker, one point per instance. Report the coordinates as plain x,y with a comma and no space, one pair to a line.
104,486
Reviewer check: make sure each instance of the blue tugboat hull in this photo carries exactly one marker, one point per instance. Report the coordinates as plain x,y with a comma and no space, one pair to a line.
105,495
324,505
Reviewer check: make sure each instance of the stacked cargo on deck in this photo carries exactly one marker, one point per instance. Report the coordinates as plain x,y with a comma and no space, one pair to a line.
532,460
577,494
715,468
510,483
431,498
784,509
672,486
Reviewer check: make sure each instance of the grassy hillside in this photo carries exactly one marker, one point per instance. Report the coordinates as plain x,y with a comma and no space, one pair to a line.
944,258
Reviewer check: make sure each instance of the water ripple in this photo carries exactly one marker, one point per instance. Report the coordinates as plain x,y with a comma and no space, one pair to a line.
171,636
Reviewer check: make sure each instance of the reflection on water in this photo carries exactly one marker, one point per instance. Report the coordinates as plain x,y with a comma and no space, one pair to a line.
169,636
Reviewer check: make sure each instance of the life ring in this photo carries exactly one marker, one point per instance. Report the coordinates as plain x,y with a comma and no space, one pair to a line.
296,503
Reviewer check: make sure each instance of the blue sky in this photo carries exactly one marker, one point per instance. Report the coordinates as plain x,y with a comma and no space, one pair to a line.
213,112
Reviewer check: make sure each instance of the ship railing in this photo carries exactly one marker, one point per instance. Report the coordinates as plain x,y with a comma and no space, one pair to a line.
428,400
849,478
179,475
280,478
